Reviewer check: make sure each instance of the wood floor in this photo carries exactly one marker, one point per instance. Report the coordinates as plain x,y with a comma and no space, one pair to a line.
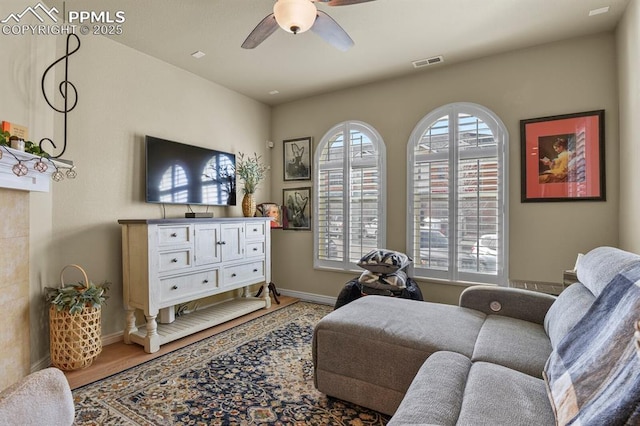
119,356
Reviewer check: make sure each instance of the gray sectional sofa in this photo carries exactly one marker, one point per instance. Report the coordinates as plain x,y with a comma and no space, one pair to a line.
504,356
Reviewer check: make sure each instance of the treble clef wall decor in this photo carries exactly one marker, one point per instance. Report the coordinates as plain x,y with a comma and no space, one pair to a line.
67,90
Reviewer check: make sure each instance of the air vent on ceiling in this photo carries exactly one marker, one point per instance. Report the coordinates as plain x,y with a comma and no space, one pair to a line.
428,61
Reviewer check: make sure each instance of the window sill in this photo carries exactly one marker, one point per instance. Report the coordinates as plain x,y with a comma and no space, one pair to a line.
344,271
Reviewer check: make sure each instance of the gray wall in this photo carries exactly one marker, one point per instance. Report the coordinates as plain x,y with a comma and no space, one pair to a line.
628,48
559,78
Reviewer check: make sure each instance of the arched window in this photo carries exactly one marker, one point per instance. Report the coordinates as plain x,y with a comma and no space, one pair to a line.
349,195
457,195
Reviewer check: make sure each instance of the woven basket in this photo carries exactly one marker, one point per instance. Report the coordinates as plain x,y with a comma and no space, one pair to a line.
74,338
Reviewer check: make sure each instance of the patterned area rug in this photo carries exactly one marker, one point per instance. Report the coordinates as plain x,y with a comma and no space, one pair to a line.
259,373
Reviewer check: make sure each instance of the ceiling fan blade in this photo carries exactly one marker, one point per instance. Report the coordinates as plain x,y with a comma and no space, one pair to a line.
331,32
264,29
342,2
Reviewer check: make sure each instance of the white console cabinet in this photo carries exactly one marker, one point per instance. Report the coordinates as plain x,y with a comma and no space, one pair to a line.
166,262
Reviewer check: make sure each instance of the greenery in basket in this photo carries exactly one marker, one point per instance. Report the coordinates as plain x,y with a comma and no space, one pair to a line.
75,297
30,147
251,170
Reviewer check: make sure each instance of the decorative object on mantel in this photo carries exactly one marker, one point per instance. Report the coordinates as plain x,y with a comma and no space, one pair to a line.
74,321
40,157
251,170
64,87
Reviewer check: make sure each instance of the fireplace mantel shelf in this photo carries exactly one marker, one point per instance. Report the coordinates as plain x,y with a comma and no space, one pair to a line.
33,180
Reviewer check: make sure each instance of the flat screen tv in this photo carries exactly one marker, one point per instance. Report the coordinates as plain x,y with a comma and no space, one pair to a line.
177,173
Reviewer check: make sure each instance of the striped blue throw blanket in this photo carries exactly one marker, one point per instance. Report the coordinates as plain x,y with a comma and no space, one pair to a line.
593,376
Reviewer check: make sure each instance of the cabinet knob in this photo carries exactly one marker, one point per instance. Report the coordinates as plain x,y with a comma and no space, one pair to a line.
174,235
174,260
255,249
233,275
255,229
255,270
205,282
175,287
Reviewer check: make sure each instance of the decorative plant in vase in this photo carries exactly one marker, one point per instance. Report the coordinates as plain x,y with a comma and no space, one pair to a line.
251,170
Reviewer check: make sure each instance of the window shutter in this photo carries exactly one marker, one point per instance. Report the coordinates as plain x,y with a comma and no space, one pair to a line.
349,195
457,206
329,199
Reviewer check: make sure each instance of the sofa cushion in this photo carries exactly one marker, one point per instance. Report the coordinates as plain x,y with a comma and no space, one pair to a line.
598,267
435,395
593,376
496,395
513,343
384,341
566,311
451,390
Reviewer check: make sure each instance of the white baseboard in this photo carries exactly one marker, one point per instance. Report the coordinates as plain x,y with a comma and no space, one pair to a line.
309,297
113,338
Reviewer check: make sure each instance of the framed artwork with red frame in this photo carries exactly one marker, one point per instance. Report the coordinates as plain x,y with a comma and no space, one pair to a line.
562,158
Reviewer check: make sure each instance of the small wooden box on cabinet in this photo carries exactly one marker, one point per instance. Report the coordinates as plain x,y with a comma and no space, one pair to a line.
170,261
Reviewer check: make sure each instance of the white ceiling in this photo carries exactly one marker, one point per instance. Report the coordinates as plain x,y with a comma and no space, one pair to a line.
388,36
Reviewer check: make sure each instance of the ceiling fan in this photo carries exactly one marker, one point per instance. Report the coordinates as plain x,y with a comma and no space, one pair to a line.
298,16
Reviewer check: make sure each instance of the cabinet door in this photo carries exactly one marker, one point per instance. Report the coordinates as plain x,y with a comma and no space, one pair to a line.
232,241
207,244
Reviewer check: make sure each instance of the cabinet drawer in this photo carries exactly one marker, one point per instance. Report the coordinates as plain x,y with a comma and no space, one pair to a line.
248,272
187,286
255,230
168,235
254,249
172,260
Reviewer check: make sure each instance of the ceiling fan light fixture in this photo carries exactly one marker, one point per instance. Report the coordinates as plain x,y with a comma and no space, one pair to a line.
295,16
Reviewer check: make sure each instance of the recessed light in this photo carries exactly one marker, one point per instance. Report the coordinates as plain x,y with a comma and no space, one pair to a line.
599,11
198,54
274,92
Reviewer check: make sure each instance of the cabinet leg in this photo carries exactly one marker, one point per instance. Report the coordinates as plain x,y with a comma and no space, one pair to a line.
152,339
130,325
245,292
